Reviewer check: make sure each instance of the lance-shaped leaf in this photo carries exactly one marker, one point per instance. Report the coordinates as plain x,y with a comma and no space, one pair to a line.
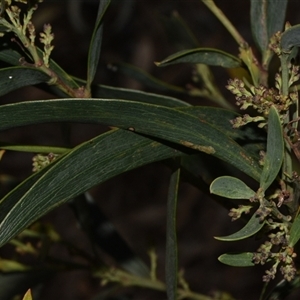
145,78
157,121
275,150
231,187
17,77
110,92
171,244
207,56
290,38
253,226
96,41
267,17
237,259
85,166
295,232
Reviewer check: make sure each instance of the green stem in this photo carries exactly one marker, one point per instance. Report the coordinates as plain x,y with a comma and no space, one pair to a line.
226,23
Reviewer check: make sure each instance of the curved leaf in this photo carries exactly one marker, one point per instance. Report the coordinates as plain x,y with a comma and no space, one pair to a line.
16,77
158,121
267,17
111,92
290,38
252,227
275,150
231,187
96,41
207,56
237,259
145,78
295,232
83,167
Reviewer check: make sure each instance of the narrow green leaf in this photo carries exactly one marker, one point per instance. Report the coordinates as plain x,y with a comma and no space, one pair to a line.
267,17
290,38
207,56
16,77
171,243
275,150
178,32
237,259
33,148
283,289
295,232
93,162
145,78
231,187
111,92
161,122
253,226
95,44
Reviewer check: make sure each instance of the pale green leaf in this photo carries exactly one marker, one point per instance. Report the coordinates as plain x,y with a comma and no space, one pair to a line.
231,187
237,260
252,227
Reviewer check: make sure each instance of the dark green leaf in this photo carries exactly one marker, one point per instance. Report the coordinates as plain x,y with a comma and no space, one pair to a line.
283,289
290,38
207,56
267,17
110,92
14,58
96,41
237,260
171,244
178,32
252,227
10,56
275,150
231,187
93,162
16,77
158,121
145,78
295,232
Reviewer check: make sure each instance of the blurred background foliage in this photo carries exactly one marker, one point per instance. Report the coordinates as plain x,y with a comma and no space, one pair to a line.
139,32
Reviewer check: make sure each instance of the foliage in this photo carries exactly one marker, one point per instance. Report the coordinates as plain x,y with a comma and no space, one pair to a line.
145,128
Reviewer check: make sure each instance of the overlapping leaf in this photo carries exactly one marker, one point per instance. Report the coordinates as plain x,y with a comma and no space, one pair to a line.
207,56
157,121
88,164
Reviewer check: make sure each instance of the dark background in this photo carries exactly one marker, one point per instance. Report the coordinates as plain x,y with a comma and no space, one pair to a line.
136,201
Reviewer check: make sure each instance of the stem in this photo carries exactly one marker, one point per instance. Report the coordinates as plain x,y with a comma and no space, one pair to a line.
226,23
126,279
